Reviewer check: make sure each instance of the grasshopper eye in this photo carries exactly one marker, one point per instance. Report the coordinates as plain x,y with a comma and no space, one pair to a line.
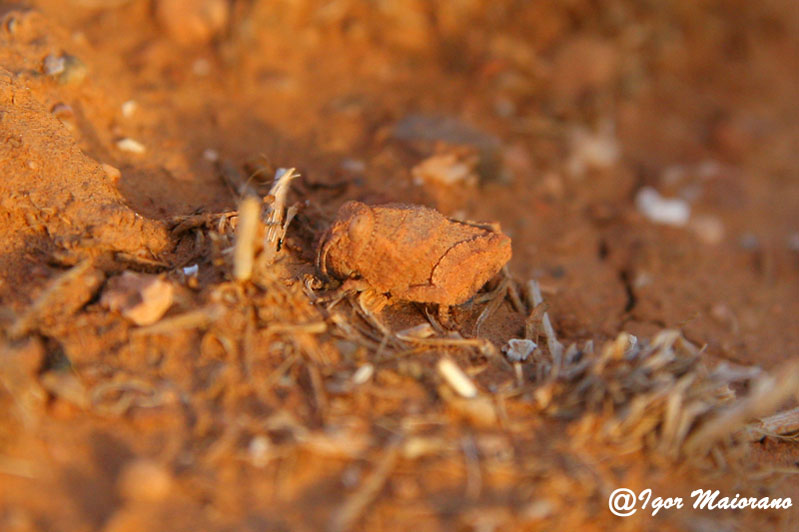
359,231
360,227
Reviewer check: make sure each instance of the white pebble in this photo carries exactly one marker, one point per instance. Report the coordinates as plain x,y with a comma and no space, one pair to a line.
190,271
667,211
456,378
129,107
131,146
54,65
518,349
446,169
258,450
355,166
363,374
210,155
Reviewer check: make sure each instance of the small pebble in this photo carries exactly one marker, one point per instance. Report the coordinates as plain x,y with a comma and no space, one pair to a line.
210,155
354,166
191,271
74,71
448,169
590,151
192,22
709,229
129,108
363,374
112,172
53,65
63,111
518,350
658,209
144,480
131,146
259,450
536,511
201,67
66,69
139,297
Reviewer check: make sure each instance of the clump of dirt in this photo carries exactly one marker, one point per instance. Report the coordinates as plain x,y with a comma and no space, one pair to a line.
149,140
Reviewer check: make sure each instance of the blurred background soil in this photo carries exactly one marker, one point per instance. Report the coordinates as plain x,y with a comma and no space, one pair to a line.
117,117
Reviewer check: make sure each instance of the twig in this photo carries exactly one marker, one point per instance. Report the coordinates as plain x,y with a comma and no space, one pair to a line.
244,251
767,394
190,320
555,347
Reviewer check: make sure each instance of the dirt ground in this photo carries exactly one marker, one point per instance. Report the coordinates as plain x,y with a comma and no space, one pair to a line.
131,129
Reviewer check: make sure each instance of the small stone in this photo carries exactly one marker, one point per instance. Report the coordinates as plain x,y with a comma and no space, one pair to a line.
112,172
593,150
210,155
53,65
201,67
259,450
139,297
63,111
518,350
709,229
449,169
353,166
144,480
129,108
192,22
666,211
131,146
536,511
74,71
363,374
66,69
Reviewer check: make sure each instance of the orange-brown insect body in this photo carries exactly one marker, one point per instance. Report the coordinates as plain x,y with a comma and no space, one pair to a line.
412,252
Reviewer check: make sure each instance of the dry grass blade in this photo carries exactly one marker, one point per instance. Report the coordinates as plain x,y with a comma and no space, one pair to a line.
782,425
276,220
767,394
244,251
555,347
456,378
190,320
496,299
